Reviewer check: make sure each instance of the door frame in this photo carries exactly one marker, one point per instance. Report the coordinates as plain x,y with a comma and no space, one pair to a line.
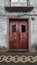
28,36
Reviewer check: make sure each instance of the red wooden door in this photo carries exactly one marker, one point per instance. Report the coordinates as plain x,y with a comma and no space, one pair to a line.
23,30
18,34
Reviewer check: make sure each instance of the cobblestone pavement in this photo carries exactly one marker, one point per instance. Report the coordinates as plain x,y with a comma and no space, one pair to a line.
18,58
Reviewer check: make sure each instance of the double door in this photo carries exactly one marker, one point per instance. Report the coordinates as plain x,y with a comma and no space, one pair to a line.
18,34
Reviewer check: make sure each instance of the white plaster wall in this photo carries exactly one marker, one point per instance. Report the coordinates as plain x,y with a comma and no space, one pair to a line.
3,31
33,2
34,32
1,3
7,3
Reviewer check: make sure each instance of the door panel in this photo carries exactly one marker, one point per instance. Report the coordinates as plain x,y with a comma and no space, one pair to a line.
13,34
23,28
18,34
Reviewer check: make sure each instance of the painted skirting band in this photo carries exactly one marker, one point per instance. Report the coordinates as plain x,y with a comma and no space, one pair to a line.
17,58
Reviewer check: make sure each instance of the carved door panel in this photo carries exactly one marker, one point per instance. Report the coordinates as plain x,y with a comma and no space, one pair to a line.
13,34
18,37
23,29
